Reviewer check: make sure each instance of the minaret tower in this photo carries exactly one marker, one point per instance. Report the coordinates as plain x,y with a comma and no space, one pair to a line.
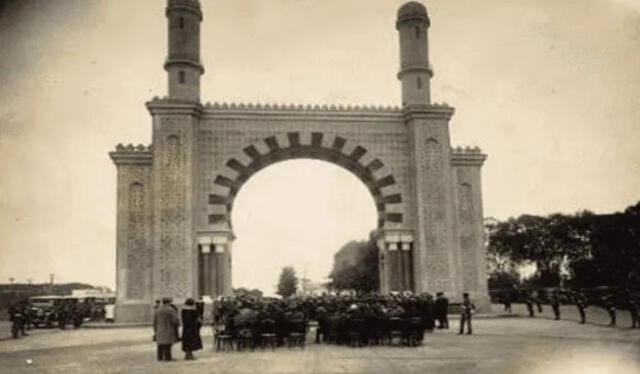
183,60
415,72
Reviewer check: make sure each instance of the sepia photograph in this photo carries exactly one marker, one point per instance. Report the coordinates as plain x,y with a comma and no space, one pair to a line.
320,186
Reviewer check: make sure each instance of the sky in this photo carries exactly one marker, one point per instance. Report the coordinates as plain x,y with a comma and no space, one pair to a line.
549,90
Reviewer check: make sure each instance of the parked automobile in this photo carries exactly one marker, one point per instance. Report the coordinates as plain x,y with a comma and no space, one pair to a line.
44,310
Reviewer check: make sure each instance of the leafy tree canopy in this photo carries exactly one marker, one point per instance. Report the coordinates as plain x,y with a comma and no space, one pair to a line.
288,282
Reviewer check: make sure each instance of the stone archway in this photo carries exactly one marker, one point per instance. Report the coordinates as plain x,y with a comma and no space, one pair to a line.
175,196
215,245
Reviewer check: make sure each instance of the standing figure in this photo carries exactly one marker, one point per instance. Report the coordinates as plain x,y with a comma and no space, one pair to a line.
441,309
200,307
17,320
555,304
529,301
466,311
64,313
191,323
581,304
609,305
538,300
322,318
165,327
633,311
506,300
27,310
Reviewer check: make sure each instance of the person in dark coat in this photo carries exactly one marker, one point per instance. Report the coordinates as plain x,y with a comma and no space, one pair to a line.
506,300
441,310
634,306
610,307
200,307
165,327
191,323
529,301
581,304
427,309
538,300
555,304
322,317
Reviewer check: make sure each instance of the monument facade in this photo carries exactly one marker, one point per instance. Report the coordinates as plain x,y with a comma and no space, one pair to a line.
175,196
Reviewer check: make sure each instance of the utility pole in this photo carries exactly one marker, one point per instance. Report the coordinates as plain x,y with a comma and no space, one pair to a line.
51,278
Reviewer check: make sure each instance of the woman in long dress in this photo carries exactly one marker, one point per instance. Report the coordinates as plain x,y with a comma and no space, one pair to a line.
191,324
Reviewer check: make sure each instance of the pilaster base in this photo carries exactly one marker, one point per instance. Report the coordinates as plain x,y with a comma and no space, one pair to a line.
134,312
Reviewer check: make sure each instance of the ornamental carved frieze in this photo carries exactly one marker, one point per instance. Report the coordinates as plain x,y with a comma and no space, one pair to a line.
434,184
173,152
137,256
465,198
174,273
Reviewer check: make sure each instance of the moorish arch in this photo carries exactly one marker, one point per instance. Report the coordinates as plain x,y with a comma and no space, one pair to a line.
337,150
174,235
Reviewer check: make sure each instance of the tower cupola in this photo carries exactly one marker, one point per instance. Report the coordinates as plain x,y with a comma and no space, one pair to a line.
415,72
183,59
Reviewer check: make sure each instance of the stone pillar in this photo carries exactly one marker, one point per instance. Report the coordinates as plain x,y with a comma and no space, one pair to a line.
436,257
133,233
396,260
205,267
175,246
468,198
219,262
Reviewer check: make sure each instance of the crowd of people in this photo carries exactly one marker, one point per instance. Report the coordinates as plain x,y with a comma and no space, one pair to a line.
248,322
609,301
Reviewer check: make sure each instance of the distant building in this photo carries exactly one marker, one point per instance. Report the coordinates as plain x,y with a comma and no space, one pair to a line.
311,288
99,293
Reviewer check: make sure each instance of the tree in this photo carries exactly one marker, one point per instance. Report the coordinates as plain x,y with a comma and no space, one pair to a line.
551,243
355,267
583,250
288,282
614,257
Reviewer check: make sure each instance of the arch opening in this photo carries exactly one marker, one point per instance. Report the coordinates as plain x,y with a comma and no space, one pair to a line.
299,213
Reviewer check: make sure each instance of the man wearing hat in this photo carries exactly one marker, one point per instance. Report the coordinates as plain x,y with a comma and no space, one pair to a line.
441,310
165,328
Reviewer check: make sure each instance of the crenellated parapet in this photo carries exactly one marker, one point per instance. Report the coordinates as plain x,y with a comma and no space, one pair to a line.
467,156
300,107
435,110
132,154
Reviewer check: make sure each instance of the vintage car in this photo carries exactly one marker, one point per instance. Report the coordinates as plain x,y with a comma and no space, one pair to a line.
44,310
73,310
49,310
